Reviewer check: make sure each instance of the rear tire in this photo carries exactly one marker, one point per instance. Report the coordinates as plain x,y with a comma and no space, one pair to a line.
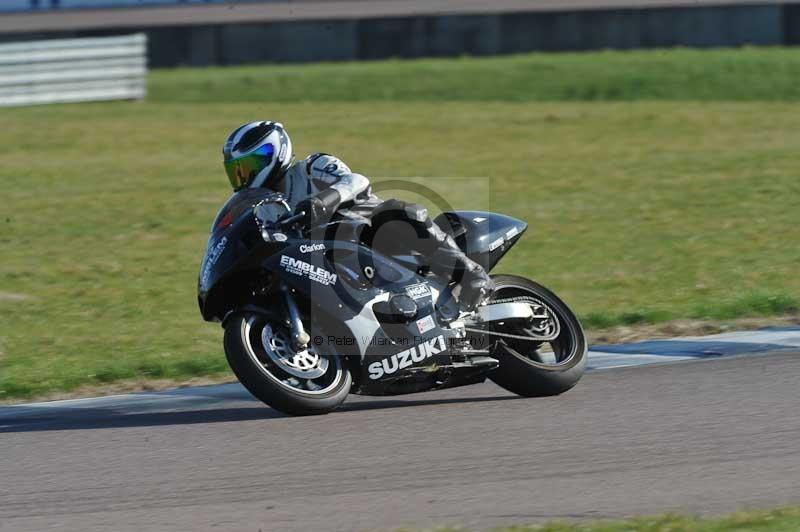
522,369
270,382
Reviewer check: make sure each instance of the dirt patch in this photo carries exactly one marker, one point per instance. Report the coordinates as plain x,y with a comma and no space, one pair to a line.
678,328
126,386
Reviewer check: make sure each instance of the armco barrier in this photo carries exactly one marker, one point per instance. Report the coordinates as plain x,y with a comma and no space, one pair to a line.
73,70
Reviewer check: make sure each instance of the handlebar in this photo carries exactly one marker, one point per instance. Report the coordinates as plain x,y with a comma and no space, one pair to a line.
292,219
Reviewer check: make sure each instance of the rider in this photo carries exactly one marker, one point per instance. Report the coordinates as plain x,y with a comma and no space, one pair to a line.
259,154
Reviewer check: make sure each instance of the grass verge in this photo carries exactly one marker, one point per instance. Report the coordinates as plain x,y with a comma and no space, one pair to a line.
782,520
748,304
747,74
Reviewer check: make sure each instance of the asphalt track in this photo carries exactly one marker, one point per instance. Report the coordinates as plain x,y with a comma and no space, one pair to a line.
287,10
702,437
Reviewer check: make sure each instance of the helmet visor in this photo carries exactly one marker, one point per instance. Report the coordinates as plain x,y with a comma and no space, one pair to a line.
242,170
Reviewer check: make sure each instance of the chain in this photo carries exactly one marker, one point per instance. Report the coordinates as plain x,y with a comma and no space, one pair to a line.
514,336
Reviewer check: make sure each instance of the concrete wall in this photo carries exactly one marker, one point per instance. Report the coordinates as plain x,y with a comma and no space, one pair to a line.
449,35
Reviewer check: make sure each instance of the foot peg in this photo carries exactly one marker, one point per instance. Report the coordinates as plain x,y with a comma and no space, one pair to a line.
475,292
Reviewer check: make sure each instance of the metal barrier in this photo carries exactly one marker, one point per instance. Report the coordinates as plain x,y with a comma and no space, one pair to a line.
73,70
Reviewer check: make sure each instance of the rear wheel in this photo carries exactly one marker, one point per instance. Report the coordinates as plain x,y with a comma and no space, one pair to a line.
530,365
296,382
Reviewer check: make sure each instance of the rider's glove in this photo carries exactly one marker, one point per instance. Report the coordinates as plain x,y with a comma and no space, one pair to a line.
319,208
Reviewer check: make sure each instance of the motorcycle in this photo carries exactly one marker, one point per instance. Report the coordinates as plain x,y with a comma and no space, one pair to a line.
310,316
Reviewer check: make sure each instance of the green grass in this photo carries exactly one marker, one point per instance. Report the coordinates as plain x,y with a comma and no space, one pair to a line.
750,74
781,520
638,211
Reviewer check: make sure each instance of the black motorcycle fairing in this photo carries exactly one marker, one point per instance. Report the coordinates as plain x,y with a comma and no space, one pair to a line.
237,204
234,248
345,280
483,236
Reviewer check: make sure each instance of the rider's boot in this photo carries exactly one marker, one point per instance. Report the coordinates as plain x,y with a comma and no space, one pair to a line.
476,286
449,261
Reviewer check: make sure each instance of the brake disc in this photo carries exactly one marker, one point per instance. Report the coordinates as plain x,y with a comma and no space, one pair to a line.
305,364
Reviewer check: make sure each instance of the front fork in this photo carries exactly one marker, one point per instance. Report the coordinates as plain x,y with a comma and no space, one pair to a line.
300,337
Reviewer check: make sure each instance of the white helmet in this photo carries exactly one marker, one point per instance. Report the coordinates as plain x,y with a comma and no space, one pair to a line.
257,154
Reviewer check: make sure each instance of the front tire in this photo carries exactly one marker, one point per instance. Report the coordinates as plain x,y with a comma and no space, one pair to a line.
537,369
300,384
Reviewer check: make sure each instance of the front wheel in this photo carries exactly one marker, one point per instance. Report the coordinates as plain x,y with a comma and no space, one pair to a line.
536,368
295,382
